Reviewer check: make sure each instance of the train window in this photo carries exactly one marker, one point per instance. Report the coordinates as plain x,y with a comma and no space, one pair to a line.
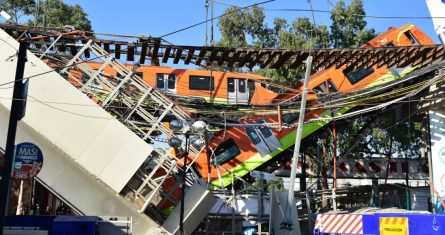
241,86
331,86
357,75
390,44
254,137
289,118
171,82
231,85
411,38
325,88
265,131
394,69
226,151
160,81
119,75
201,83
320,90
251,86
140,74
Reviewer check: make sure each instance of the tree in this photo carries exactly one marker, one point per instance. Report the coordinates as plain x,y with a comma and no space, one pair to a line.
56,13
301,34
18,8
348,25
244,28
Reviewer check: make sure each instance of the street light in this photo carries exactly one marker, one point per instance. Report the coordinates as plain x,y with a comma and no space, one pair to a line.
196,140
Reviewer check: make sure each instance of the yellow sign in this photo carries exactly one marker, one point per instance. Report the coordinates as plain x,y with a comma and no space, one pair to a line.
393,225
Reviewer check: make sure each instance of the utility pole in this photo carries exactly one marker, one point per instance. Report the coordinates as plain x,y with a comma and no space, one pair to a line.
288,227
260,204
211,23
334,183
16,114
207,19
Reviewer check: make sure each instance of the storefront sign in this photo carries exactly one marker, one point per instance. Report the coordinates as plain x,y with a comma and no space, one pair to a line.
28,161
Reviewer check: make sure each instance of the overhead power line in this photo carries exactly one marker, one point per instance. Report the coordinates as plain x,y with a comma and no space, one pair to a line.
359,15
205,21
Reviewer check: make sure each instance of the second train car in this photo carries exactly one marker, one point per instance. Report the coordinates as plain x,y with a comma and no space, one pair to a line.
239,150
203,86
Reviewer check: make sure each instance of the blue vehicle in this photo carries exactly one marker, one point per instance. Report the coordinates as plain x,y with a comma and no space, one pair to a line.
67,225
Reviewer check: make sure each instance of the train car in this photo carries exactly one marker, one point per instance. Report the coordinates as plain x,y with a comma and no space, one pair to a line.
202,86
238,150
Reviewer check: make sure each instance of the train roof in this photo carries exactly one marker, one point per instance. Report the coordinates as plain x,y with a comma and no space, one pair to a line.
167,69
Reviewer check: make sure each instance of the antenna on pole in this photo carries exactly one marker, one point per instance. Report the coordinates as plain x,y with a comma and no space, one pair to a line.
207,18
211,23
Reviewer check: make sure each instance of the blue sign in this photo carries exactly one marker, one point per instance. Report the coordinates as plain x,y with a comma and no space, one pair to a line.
28,161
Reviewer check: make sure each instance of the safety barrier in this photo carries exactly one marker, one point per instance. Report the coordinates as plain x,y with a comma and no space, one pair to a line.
380,224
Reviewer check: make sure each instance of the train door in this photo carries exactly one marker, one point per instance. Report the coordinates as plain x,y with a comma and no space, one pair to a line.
264,140
394,69
237,91
166,82
325,88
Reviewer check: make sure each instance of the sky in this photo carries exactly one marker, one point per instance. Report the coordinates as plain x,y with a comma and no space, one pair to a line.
157,18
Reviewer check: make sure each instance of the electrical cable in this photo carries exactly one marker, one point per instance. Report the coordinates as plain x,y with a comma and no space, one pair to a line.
214,18
51,71
374,107
70,112
358,15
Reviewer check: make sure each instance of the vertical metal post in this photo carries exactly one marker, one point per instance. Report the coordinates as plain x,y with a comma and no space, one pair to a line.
303,174
280,120
318,165
211,23
430,165
260,203
207,22
184,175
407,192
233,216
334,188
208,155
309,212
290,198
233,206
15,116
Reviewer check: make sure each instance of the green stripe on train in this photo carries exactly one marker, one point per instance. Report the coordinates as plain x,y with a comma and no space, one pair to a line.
289,140
256,160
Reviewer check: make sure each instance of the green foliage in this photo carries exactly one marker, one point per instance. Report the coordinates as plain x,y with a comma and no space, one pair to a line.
48,13
348,29
348,25
385,138
18,8
276,184
246,28
56,13
241,28
300,34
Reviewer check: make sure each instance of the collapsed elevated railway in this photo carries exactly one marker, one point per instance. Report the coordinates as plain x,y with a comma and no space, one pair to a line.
145,98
